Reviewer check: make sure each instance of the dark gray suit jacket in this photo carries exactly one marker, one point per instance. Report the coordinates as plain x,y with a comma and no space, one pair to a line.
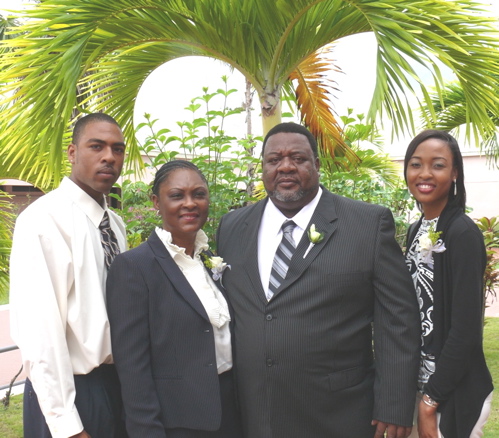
304,361
163,344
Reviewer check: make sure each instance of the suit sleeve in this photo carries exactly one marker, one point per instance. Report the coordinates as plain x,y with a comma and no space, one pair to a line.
396,330
128,309
466,254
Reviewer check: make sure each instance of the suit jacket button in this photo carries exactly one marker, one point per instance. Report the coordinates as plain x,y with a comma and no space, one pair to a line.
206,331
270,362
268,317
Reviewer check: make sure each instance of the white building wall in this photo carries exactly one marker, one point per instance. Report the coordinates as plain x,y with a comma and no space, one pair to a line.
482,187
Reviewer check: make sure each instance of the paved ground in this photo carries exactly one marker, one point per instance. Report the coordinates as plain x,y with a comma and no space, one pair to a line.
11,362
493,309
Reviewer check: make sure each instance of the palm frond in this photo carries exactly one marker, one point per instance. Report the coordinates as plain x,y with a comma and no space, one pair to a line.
7,27
448,113
447,110
94,56
456,34
312,95
377,166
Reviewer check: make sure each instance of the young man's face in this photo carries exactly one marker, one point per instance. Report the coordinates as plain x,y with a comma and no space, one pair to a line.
97,159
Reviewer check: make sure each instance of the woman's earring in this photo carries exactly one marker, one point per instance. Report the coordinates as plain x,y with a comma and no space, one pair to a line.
455,188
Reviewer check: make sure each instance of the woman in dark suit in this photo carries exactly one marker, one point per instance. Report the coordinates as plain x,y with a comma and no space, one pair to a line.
446,257
170,321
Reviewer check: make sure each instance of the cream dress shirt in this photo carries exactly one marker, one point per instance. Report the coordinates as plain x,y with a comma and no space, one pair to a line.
208,293
57,297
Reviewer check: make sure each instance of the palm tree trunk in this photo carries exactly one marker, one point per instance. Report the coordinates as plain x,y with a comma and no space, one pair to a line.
248,101
270,102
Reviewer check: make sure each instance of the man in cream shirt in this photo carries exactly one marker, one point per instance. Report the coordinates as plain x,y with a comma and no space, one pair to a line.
57,294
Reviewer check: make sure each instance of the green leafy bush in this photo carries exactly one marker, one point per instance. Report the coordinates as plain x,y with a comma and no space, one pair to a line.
375,178
227,163
490,230
233,172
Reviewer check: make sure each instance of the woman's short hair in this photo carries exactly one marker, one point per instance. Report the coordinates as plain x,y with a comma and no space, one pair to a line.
166,169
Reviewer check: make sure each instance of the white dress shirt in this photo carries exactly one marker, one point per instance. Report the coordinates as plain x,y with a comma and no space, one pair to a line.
57,296
208,293
270,233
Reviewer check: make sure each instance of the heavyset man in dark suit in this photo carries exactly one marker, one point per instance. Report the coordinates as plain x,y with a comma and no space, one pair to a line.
305,361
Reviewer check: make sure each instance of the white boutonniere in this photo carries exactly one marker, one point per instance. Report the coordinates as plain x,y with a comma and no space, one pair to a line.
429,243
315,237
216,265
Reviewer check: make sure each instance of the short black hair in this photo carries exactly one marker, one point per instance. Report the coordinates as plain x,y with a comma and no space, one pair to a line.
294,128
458,199
90,118
166,169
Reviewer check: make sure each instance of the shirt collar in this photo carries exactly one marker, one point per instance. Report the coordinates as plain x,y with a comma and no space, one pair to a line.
92,209
274,218
200,244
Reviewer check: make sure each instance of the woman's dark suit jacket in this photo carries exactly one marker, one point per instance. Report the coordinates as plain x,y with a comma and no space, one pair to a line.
163,344
461,381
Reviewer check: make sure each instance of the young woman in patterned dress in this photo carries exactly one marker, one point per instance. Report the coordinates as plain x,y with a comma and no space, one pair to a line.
446,258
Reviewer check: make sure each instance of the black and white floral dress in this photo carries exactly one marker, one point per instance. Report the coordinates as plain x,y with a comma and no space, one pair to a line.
422,276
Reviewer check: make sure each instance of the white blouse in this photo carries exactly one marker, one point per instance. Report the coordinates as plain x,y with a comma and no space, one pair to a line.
208,293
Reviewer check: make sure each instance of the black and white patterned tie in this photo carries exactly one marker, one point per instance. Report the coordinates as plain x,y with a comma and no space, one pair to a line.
108,240
282,258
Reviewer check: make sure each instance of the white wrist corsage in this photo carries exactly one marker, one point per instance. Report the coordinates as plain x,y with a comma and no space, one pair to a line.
216,264
315,237
430,243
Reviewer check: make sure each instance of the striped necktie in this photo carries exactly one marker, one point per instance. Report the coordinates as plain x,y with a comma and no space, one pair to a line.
282,258
108,240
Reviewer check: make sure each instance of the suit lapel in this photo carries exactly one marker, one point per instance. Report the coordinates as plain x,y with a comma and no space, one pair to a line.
175,275
249,245
218,283
220,286
411,233
325,220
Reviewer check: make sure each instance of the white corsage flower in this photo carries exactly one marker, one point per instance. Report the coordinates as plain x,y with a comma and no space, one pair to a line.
425,242
428,244
216,264
315,237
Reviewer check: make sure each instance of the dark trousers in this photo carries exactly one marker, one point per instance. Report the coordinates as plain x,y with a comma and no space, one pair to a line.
98,401
230,426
